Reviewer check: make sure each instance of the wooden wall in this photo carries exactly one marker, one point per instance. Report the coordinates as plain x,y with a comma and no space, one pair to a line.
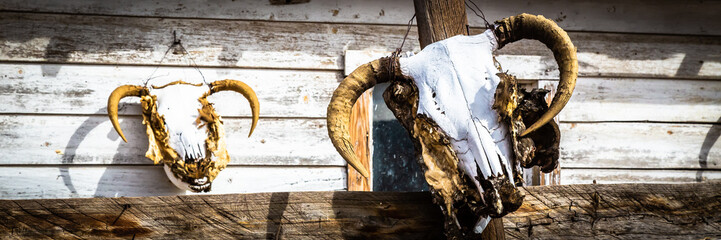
647,107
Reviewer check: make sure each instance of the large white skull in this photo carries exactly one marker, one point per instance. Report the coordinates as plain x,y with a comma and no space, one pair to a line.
456,80
445,96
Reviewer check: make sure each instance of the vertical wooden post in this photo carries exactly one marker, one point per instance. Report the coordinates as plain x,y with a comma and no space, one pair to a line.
438,20
360,129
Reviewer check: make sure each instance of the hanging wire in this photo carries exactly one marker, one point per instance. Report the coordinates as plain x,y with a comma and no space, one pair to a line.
408,30
488,26
398,50
176,44
482,16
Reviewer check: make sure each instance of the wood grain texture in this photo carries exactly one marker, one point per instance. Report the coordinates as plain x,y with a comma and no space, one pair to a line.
440,19
308,215
661,100
572,176
53,65
644,16
640,145
360,135
619,211
35,182
250,44
82,89
82,140
37,139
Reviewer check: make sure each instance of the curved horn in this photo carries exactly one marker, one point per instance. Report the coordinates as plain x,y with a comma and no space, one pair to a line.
341,104
114,99
527,26
242,88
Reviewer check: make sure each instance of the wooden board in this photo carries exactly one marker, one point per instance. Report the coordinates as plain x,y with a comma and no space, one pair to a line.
361,137
640,145
620,55
660,100
143,41
250,44
118,181
570,176
622,99
646,16
630,211
82,89
618,211
50,140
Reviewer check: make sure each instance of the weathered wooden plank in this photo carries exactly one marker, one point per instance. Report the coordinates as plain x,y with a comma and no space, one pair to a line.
571,176
640,145
252,44
41,139
611,99
82,89
628,211
34,139
307,215
26,182
621,55
618,211
614,99
646,16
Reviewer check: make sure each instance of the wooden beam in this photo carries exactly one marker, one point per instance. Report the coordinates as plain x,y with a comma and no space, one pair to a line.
622,211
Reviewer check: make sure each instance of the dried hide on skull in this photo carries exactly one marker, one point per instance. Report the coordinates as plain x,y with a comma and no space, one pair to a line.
185,133
466,118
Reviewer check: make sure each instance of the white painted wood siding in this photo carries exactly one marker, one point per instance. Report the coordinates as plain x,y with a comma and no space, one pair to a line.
646,108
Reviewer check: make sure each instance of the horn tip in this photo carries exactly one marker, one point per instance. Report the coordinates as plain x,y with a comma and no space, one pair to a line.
363,172
524,133
530,129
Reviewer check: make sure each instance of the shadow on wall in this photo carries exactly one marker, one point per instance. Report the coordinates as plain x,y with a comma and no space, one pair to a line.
370,217
133,39
695,51
57,38
711,137
118,179
276,208
356,217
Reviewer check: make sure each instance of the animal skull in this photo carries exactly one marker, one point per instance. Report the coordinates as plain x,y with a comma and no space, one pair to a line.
465,117
184,131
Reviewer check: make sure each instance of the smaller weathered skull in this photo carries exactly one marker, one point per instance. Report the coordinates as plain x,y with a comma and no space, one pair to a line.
184,131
